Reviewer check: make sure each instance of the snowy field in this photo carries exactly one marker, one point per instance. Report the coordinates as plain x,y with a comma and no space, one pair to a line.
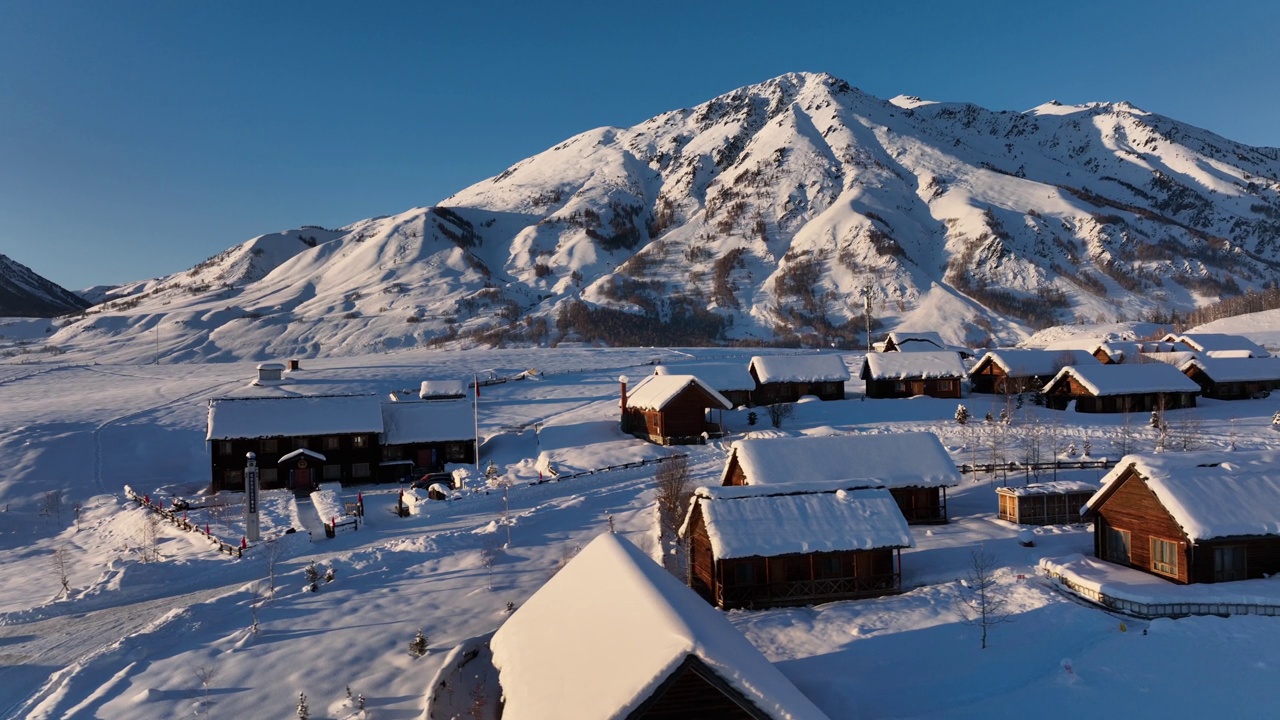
139,636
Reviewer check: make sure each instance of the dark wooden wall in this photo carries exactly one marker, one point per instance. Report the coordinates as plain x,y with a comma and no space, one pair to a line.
1133,507
695,692
227,467
910,387
921,505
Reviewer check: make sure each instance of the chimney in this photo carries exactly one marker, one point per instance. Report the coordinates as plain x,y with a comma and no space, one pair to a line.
623,382
293,365
269,374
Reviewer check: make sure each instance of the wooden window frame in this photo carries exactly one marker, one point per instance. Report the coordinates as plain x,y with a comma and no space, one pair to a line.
361,470
1107,541
332,442
1219,575
944,385
1167,566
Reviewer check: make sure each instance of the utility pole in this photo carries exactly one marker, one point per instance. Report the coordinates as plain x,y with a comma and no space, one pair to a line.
866,309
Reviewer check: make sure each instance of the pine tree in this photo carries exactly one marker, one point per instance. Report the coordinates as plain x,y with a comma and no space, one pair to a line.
418,645
304,713
312,575
962,415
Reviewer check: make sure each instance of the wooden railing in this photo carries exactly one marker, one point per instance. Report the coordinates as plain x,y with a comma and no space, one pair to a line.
1013,467
181,522
1158,610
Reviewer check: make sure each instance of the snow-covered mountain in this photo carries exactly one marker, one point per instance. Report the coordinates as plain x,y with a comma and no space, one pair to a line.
23,293
761,215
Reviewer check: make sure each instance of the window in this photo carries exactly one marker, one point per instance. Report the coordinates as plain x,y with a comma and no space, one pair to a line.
455,452
899,387
1229,563
360,470
268,446
827,565
331,472
224,447
359,441
393,452
1164,557
1116,545
232,479
944,384
331,443
267,476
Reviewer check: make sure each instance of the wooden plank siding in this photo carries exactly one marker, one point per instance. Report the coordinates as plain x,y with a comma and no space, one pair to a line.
1043,508
1132,507
348,456
1229,390
695,692
681,422
785,392
1069,388
910,387
922,505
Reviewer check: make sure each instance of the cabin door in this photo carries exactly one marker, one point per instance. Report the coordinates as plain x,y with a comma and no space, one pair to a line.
917,387
301,478
426,459
1229,563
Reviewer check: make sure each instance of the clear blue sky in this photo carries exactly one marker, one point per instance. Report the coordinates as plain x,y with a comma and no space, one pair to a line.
138,138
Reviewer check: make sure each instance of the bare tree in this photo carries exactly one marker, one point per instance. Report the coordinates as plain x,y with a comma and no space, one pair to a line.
981,602
673,494
205,674
780,412
489,555
1124,435
149,537
51,505
60,562
271,556
255,605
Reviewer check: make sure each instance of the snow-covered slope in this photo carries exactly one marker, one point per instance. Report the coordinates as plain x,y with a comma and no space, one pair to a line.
23,293
762,214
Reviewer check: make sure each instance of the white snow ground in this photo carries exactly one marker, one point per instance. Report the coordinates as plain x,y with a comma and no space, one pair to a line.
134,639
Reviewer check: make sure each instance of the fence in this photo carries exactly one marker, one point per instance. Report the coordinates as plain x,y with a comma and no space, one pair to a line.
1005,469
557,477
183,523
1159,610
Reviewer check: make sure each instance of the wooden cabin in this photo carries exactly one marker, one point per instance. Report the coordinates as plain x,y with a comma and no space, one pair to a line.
1009,372
1118,352
821,546
1233,378
672,409
670,656
1219,345
343,429
787,378
1198,517
1057,502
732,380
421,437
913,466
1121,388
907,374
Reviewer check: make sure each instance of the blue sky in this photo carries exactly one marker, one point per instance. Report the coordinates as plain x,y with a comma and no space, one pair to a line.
138,138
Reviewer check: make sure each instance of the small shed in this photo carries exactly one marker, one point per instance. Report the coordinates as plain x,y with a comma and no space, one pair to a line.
1230,378
769,546
731,380
787,378
914,467
672,409
1103,388
614,635
1219,345
1019,370
907,374
1196,517
1057,502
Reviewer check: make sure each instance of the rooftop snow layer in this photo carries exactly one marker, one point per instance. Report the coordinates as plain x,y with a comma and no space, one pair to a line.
1235,369
442,388
434,421
1026,363
904,365
799,368
655,391
602,634
1121,350
772,525
912,459
1052,487
917,341
1154,377
231,418
724,377
1210,494
1219,342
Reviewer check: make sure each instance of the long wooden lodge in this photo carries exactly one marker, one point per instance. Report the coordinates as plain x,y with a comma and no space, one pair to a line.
1008,372
1140,387
1234,378
937,374
787,378
1196,517
769,546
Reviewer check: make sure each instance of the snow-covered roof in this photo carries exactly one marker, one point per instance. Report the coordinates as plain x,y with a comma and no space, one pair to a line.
904,365
442,389
910,459
1128,350
654,392
799,368
1051,487
435,421
1219,342
231,418
917,341
768,525
1028,363
601,635
1210,494
724,377
1102,380
1176,359
302,451
1236,369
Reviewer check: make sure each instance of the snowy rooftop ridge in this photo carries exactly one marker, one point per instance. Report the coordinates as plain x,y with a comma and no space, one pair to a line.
910,459
1103,380
609,628
772,525
294,416
1212,343
799,368
1050,487
1210,494
903,365
1236,369
1019,362
655,392
722,376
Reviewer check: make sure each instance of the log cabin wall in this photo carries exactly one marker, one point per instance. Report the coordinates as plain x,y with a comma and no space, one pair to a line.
351,458
695,692
1134,509
910,387
921,505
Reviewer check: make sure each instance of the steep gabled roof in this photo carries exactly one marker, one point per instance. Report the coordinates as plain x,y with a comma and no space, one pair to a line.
1210,494
655,392
236,418
799,368
769,521
724,376
612,626
1102,380
911,459
1030,363
908,365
